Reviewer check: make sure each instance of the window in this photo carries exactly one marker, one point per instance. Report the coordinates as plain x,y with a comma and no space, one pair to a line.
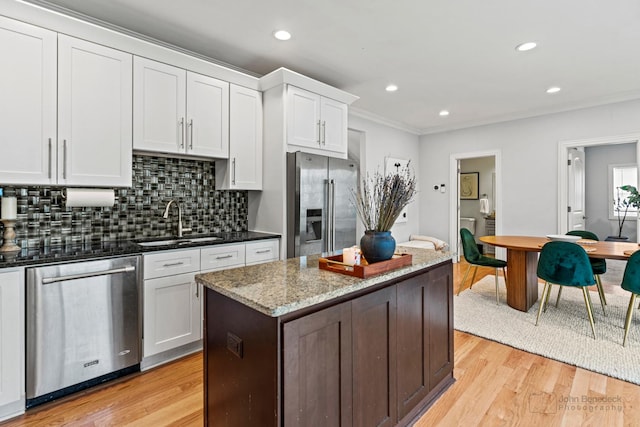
620,175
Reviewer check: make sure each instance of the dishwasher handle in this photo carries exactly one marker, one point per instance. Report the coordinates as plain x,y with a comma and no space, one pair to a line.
127,269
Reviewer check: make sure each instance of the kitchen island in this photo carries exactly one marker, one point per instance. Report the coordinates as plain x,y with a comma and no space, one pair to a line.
288,344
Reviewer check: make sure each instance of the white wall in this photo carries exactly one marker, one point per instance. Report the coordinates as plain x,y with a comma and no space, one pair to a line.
383,141
529,150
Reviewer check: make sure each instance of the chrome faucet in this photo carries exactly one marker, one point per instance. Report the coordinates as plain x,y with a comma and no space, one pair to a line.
165,215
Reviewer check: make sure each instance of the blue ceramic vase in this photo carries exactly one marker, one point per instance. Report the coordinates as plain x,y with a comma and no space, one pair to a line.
377,246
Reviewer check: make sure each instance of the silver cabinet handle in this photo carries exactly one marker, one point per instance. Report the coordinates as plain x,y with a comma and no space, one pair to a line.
182,132
319,143
324,132
233,171
172,264
50,166
264,251
191,134
64,159
224,257
197,291
49,280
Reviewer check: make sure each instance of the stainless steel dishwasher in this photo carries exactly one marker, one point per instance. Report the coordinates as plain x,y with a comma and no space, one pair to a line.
83,325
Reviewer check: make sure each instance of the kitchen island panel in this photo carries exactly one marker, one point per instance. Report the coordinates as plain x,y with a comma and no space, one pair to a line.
348,354
240,364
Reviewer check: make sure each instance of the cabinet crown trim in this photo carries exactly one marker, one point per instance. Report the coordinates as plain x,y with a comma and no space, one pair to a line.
284,76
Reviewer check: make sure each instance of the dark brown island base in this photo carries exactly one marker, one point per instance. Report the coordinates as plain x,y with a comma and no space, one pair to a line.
288,344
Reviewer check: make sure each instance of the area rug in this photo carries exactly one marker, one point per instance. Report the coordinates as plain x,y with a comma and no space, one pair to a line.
563,333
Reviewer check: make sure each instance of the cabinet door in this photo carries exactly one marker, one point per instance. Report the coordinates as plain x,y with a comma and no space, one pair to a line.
333,123
317,376
303,118
439,298
207,116
28,106
159,106
94,114
374,359
413,342
12,386
172,313
245,139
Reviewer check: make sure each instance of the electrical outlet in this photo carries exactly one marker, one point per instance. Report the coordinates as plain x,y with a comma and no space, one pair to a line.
234,344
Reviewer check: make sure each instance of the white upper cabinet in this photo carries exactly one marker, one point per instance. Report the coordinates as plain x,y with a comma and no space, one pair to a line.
28,106
66,109
334,125
180,112
94,114
243,170
316,122
207,116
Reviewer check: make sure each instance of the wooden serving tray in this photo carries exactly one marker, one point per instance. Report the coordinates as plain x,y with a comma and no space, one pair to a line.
364,270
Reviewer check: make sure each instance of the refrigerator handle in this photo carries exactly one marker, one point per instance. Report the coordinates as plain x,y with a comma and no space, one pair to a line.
332,215
326,245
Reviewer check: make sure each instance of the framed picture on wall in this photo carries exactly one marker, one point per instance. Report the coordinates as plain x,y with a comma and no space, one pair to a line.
469,185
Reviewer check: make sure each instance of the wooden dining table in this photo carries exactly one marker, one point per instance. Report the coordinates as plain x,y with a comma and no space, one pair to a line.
522,263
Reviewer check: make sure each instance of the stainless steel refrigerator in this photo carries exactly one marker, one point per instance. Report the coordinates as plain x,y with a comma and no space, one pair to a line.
320,214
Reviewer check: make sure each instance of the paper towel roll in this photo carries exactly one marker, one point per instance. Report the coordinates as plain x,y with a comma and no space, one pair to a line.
90,197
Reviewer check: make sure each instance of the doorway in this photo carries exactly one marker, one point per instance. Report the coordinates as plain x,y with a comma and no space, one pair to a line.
565,194
484,168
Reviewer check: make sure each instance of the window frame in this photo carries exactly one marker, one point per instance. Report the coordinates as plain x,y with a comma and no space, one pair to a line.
632,213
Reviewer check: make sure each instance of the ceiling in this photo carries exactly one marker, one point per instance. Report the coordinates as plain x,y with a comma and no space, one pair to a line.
455,55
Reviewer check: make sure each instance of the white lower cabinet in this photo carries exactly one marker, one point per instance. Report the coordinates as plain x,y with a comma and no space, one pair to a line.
172,308
172,312
12,351
262,251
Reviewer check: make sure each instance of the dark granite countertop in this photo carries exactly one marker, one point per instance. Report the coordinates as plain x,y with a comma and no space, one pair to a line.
80,251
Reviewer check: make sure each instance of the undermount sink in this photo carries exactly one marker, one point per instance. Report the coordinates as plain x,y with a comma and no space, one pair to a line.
159,243
179,241
204,239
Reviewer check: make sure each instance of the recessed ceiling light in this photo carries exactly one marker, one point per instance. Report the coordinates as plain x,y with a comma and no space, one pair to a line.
391,88
443,113
523,47
553,89
282,35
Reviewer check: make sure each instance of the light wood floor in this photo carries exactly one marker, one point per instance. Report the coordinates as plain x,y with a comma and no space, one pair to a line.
495,385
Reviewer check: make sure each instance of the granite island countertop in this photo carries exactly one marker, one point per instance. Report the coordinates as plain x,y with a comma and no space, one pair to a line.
281,287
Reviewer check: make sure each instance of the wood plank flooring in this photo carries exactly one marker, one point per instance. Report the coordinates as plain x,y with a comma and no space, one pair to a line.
495,385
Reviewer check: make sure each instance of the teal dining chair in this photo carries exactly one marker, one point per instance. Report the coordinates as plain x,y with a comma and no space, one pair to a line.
565,264
475,259
598,265
631,283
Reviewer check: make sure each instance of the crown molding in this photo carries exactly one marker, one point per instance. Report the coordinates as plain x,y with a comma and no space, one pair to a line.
363,114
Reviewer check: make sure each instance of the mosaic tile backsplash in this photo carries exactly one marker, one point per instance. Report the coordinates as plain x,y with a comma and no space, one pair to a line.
44,220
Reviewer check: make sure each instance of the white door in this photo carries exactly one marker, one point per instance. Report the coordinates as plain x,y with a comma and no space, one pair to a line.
333,117
28,103
207,116
245,138
94,114
172,313
576,192
159,106
303,118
